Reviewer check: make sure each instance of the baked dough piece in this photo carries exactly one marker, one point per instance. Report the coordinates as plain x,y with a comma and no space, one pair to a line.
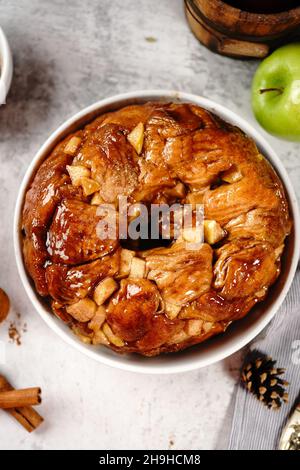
161,299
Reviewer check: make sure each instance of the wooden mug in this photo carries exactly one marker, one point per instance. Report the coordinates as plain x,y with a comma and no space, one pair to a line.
230,31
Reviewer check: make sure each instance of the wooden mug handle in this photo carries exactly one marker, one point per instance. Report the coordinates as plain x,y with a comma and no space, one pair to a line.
239,48
222,44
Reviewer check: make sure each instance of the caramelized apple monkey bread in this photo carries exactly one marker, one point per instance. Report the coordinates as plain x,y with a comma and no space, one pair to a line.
166,298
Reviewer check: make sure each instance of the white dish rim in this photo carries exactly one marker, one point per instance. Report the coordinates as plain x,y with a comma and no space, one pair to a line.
6,65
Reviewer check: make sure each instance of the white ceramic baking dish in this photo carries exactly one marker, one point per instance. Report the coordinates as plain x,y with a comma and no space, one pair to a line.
241,332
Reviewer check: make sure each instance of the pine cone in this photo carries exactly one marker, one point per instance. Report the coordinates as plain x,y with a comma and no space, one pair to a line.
261,378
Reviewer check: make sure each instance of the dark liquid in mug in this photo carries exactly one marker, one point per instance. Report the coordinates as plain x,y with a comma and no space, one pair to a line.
263,6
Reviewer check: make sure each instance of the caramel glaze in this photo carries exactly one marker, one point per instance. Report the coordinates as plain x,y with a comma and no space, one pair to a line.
215,285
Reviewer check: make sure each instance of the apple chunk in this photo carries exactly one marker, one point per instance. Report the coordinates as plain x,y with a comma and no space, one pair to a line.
100,338
213,232
84,338
97,199
193,235
83,310
136,138
98,319
172,310
77,172
112,338
89,186
232,175
72,145
104,290
138,268
194,327
177,191
126,258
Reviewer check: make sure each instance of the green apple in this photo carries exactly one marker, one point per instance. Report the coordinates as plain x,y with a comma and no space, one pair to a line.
276,92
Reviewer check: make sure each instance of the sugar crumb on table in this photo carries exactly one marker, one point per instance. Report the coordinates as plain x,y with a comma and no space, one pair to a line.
15,330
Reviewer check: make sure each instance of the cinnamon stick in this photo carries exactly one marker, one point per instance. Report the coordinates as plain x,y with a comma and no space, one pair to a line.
26,416
19,398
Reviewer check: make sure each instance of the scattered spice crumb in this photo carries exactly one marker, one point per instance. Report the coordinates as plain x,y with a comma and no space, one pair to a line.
171,443
14,334
150,39
15,330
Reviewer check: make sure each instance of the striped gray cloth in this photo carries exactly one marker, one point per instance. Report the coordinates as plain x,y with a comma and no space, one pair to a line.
254,426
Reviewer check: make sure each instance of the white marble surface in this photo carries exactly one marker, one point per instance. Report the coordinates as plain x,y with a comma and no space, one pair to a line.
68,55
